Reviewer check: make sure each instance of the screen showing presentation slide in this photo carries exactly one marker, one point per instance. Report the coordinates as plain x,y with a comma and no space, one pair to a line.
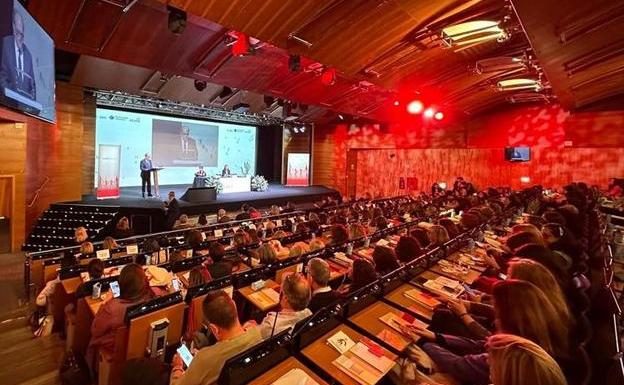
178,145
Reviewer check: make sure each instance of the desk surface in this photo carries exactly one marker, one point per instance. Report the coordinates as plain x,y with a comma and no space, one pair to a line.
322,354
470,276
398,298
287,365
368,319
247,292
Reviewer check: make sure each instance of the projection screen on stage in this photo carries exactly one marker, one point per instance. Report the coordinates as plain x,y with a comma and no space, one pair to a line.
179,145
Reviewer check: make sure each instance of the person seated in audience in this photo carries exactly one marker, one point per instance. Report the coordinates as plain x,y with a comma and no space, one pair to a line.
222,216
202,220
295,296
318,276
183,223
554,262
221,316
243,214
122,229
385,260
95,269
198,276
379,223
520,308
361,273
254,213
518,361
357,231
279,234
266,254
195,240
289,208
281,252
560,240
241,239
316,244
438,235
298,249
133,289
469,221
274,210
109,243
86,248
422,236
339,235
220,267
80,235
450,226
552,216
158,279
407,249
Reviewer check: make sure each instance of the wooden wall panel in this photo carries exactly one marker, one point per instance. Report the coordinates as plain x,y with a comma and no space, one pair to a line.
45,159
88,145
565,147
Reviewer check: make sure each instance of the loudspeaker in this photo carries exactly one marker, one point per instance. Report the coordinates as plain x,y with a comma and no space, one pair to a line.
200,85
177,20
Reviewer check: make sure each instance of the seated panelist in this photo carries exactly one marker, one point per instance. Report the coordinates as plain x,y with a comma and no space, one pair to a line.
226,171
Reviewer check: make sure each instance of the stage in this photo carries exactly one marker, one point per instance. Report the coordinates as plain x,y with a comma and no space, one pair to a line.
131,203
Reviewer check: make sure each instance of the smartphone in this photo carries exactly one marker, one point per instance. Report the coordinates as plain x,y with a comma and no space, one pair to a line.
114,286
185,354
176,284
468,289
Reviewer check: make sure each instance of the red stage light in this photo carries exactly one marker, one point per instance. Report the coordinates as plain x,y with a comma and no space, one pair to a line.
241,45
328,77
438,115
397,103
429,112
415,107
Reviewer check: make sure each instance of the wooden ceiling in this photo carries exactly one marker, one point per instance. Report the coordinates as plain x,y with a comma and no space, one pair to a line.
580,47
379,48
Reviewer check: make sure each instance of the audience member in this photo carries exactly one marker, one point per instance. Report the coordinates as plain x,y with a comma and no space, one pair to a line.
220,267
339,235
183,223
110,243
80,235
122,229
202,220
221,316
385,260
438,235
87,248
222,216
318,276
407,249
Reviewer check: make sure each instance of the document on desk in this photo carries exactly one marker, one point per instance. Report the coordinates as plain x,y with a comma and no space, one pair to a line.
396,322
295,377
362,364
421,298
341,342
266,297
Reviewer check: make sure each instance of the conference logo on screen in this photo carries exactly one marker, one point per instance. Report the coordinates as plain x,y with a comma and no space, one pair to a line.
120,118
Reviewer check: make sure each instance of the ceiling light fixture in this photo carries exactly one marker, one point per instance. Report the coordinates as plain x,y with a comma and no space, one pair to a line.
519,84
438,115
472,32
429,112
415,107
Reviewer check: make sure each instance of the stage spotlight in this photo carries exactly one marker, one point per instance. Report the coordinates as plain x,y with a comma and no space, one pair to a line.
294,63
328,77
200,85
341,117
415,107
225,92
177,20
396,103
525,179
438,115
241,45
429,112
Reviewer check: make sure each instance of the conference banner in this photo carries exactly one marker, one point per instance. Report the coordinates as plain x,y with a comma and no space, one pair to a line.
298,169
109,158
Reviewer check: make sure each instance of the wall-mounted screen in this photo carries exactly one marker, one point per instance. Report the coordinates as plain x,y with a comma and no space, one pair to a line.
518,154
179,145
26,64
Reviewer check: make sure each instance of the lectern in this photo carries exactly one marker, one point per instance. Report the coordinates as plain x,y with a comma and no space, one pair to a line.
154,171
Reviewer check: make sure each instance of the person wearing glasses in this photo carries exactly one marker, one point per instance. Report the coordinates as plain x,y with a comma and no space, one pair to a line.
16,71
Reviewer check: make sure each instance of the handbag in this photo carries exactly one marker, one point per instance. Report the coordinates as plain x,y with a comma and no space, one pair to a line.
74,370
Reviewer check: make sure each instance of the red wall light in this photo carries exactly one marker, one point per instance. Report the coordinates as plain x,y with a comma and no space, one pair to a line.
429,112
438,115
415,107
328,77
396,103
241,45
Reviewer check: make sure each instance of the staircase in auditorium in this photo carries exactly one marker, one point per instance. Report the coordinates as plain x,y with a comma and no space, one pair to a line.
55,228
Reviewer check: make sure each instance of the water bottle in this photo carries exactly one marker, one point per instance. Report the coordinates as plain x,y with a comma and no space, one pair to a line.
97,290
263,233
366,242
148,260
349,248
313,235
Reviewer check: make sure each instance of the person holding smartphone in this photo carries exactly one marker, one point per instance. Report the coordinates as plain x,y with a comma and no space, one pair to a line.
221,316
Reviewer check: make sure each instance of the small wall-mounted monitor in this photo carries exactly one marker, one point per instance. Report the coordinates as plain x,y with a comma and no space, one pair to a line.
518,154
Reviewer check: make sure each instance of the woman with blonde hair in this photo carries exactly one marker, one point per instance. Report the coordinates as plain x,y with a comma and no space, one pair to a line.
298,249
81,235
356,231
536,273
528,228
109,243
316,244
517,361
438,235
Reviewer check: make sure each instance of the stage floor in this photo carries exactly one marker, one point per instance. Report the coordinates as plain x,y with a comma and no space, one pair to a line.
276,194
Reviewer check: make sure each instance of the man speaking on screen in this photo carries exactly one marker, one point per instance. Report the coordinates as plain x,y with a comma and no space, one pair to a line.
188,145
16,69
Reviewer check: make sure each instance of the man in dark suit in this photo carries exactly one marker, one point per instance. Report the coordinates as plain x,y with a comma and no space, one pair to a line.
322,293
172,207
146,166
16,69
187,149
220,267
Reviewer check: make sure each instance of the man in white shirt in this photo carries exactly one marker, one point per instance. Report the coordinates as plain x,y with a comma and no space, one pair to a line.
16,70
294,298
